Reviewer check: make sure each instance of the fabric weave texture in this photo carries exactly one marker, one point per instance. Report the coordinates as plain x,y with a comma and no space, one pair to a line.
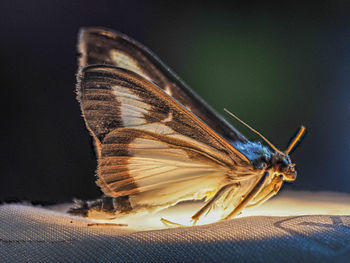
35,234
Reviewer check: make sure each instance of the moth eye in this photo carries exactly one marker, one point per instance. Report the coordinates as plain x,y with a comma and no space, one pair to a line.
281,176
285,162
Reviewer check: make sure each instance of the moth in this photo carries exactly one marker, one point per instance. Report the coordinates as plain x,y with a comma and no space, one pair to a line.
158,143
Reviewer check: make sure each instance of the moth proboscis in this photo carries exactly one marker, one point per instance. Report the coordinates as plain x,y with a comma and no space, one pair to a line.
158,143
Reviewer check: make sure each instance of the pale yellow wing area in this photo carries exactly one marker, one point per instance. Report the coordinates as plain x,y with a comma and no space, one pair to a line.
165,169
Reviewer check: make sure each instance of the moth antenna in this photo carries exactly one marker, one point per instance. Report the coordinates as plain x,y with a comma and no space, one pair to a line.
296,139
258,133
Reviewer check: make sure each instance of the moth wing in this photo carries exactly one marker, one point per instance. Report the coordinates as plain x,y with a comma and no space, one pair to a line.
149,146
106,47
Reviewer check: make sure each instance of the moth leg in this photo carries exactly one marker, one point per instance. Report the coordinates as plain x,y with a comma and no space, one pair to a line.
256,189
211,202
209,195
269,195
169,223
275,189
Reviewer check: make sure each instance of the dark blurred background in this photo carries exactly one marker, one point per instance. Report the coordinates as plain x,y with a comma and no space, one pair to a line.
275,66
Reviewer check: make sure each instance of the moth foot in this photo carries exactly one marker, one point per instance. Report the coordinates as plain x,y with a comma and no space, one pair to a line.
169,223
194,221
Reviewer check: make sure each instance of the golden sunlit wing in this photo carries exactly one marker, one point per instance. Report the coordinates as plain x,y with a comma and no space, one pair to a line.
158,143
149,146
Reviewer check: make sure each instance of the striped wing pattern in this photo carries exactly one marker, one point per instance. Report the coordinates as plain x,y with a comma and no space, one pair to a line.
100,46
149,146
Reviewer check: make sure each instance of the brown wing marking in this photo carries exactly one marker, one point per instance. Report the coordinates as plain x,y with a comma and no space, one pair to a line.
107,47
139,130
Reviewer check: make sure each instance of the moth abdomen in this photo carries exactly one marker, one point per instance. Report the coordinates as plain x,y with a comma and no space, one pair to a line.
111,206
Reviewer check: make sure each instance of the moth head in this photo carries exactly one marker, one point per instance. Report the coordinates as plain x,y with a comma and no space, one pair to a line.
282,166
281,163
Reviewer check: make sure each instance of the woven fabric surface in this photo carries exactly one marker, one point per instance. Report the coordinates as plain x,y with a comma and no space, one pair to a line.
34,234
